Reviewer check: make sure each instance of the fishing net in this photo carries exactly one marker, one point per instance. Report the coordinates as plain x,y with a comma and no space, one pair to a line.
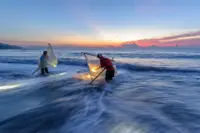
52,60
94,66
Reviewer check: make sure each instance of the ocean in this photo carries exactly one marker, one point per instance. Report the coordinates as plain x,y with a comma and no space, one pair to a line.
154,91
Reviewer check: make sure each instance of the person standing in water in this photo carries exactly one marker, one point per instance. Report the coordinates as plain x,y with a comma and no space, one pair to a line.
108,66
44,63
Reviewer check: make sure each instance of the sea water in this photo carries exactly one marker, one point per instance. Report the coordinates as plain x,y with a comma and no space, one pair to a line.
155,91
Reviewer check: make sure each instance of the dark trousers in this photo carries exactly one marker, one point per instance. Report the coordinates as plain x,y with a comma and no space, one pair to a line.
109,75
43,70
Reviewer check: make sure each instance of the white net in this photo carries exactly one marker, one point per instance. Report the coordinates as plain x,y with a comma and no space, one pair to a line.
94,66
52,60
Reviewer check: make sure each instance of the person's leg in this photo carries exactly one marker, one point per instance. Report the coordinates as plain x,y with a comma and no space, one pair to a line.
46,70
108,76
113,73
42,71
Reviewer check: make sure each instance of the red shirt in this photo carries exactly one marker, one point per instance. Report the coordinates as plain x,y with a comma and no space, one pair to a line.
106,63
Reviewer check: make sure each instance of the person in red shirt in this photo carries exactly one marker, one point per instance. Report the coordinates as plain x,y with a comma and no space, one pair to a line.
108,66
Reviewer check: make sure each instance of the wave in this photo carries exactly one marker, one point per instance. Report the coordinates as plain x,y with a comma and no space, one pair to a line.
160,56
139,68
126,66
148,55
42,119
63,61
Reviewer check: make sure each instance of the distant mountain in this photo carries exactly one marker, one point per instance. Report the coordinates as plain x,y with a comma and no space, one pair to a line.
130,46
154,46
8,46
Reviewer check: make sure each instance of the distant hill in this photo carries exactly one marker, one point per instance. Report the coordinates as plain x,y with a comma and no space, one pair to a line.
8,46
129,46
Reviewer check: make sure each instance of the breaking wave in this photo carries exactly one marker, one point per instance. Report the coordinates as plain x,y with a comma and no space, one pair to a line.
82,62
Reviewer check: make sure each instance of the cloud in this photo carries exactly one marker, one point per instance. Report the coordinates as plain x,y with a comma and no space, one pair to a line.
186,39
192,34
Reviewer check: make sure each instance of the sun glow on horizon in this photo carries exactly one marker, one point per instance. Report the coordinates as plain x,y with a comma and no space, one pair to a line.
113,38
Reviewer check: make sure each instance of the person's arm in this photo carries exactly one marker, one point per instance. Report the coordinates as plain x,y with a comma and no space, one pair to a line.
101,64
98,68
41,59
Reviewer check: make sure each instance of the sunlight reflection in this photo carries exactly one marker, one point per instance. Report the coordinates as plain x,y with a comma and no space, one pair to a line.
62,73
127,128
6,87
83,76
93,70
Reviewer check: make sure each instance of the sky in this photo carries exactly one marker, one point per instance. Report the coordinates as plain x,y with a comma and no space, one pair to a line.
100,22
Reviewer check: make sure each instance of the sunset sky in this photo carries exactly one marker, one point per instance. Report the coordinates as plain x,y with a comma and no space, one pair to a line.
100,22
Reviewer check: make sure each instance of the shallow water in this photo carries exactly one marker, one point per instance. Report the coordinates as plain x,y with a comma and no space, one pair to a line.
154,92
